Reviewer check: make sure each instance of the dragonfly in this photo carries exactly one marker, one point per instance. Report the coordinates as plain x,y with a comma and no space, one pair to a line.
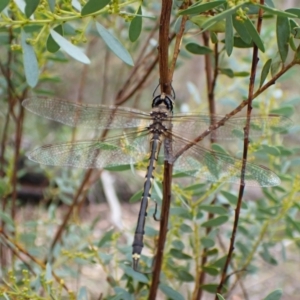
141,135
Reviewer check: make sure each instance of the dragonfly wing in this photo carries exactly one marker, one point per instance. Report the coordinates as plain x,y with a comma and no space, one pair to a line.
193,125
215,166
121,150
88,116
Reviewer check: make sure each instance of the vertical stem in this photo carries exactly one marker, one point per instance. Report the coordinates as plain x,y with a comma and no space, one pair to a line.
165,85
245,153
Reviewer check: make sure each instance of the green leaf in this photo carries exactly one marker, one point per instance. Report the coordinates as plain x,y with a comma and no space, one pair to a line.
232,199
283,31
227,72
284,110
267,257
239,43
207,242
272,150
51,45
265,71
241,30
93,6
277,12
107,237
82,294
30,63
51,4
223,15
210,287
136,197
114,44
214,209
201,7
3,4
219,263
135,27
294,11
72,50
197,49
178,244
170,293
276,64
218,221
135,275
185,228
220,297
229,35
30,7
48,275
210,270
185,276
218,26
275,295
254,35
179,254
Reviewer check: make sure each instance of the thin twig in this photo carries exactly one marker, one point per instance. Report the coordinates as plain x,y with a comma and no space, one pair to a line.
245,152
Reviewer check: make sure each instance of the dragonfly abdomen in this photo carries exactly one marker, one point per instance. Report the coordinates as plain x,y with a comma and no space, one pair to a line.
155,144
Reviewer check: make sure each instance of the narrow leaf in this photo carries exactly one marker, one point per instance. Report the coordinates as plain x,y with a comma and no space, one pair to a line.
283,31
30,63
3,4
114,44
107,237
210,270
241,30
51,45
215,222
170,293
135,275
229,35
265,71
210,287
67,46
93,6
200,8
294,11
51,4
214,209
48,275
30,7
207,242
221,16
277,12
197,49
135,27
254,35
200,20
82,294
136,197
220,297
275,295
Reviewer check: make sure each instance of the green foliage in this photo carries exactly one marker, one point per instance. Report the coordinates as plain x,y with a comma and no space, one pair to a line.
35,40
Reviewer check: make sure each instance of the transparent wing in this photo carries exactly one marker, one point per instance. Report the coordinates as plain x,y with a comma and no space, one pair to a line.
90,116
215,166
119,150
192,125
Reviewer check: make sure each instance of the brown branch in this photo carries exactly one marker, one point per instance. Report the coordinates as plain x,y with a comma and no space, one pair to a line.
165,86
245,153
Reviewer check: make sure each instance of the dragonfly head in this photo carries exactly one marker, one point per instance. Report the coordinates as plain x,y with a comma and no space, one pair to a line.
163,100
